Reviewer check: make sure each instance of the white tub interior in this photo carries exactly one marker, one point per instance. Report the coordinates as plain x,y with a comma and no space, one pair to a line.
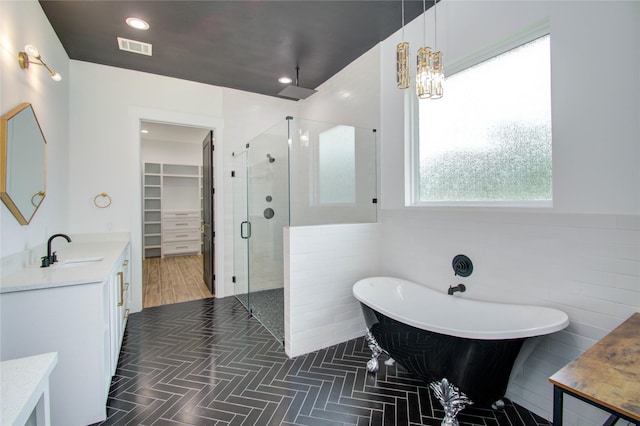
456,315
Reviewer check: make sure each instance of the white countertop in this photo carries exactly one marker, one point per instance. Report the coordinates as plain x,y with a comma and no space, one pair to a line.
63,273
22,382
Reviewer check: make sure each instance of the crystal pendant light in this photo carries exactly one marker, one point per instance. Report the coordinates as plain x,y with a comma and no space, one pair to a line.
424,66
437,76
437,82
402,59
424,73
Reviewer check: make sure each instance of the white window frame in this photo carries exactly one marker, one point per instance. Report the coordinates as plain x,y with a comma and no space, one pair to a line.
412,121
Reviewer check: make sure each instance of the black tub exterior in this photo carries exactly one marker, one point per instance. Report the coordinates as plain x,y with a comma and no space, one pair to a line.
479,368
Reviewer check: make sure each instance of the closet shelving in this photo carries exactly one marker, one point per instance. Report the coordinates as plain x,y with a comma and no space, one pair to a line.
152,205
172,209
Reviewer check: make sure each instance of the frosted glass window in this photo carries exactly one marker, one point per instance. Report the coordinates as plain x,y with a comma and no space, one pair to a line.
337,166
488,140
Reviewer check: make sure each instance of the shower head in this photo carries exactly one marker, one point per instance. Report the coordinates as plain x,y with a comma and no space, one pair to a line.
296,92
271,159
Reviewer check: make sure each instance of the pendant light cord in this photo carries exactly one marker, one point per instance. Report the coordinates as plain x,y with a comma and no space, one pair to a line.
435,27
424,20
402,20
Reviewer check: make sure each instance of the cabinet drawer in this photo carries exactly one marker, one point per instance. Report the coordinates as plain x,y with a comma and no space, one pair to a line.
176,236
181,214
181,247
177,225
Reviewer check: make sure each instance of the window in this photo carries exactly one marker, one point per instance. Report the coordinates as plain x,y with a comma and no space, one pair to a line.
337,165
488,140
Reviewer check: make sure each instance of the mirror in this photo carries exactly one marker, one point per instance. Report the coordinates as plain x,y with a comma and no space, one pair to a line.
22,162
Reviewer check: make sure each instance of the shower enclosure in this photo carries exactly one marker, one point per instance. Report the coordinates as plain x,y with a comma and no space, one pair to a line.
297,173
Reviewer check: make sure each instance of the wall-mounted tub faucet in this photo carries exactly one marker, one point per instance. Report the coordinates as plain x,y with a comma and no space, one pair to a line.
460,287
52,258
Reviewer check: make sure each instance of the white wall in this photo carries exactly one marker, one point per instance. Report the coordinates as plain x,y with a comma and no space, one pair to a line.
582,255
25,23
322,263
161,151
107,106
350,97
106,147
595,149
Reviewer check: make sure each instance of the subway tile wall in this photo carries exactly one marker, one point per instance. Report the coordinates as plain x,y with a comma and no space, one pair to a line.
321,265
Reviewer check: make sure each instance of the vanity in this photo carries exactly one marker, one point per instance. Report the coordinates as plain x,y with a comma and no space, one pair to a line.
77,308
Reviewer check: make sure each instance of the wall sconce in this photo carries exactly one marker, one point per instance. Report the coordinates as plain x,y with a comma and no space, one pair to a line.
23,60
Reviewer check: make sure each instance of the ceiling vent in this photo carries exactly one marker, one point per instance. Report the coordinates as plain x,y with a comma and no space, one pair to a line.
134,46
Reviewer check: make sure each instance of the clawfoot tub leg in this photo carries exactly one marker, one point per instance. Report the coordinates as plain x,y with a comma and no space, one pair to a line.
498,405
453,401
376,351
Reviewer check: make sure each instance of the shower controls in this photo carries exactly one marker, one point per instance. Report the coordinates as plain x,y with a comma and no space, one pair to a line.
269,213
462,265
269,198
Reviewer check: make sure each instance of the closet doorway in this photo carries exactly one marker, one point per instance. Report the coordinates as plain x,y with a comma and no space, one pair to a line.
173,213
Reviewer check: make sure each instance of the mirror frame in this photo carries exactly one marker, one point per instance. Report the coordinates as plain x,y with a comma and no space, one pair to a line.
4,145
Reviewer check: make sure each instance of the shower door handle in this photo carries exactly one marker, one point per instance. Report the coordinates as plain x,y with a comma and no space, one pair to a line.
242,228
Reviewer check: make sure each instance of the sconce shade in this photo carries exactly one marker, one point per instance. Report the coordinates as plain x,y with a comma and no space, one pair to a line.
32,50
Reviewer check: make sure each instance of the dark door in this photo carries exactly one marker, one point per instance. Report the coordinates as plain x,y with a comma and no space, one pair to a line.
208,208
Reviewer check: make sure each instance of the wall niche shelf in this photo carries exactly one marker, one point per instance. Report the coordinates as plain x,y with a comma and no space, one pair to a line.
172,209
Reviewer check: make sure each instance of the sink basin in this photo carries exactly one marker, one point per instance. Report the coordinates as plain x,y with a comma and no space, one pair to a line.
82,261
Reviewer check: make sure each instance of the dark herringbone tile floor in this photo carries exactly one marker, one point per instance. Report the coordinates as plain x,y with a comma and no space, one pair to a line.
207,362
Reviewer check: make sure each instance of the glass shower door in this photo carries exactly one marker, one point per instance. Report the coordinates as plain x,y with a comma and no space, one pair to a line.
241,229
268,191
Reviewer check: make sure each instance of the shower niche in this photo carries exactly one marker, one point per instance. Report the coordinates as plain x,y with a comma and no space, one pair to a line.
297,173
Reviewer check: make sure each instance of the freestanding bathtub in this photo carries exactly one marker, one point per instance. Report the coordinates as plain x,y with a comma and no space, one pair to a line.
473,344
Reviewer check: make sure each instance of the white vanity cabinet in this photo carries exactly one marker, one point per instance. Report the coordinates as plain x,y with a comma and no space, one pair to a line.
74,310
119,300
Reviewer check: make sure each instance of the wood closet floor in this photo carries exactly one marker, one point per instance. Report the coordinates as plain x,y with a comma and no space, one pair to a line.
172,280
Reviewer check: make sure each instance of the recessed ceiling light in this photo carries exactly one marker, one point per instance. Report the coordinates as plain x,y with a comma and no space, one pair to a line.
144,131
137,23
285,80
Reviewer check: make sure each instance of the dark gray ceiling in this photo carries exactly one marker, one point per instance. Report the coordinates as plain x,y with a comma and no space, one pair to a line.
244,45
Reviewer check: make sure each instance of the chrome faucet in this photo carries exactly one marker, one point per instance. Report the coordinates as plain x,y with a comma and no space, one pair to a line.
52,258
460,287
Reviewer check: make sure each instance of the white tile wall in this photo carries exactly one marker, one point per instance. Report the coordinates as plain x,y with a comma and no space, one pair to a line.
584,264
321,265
